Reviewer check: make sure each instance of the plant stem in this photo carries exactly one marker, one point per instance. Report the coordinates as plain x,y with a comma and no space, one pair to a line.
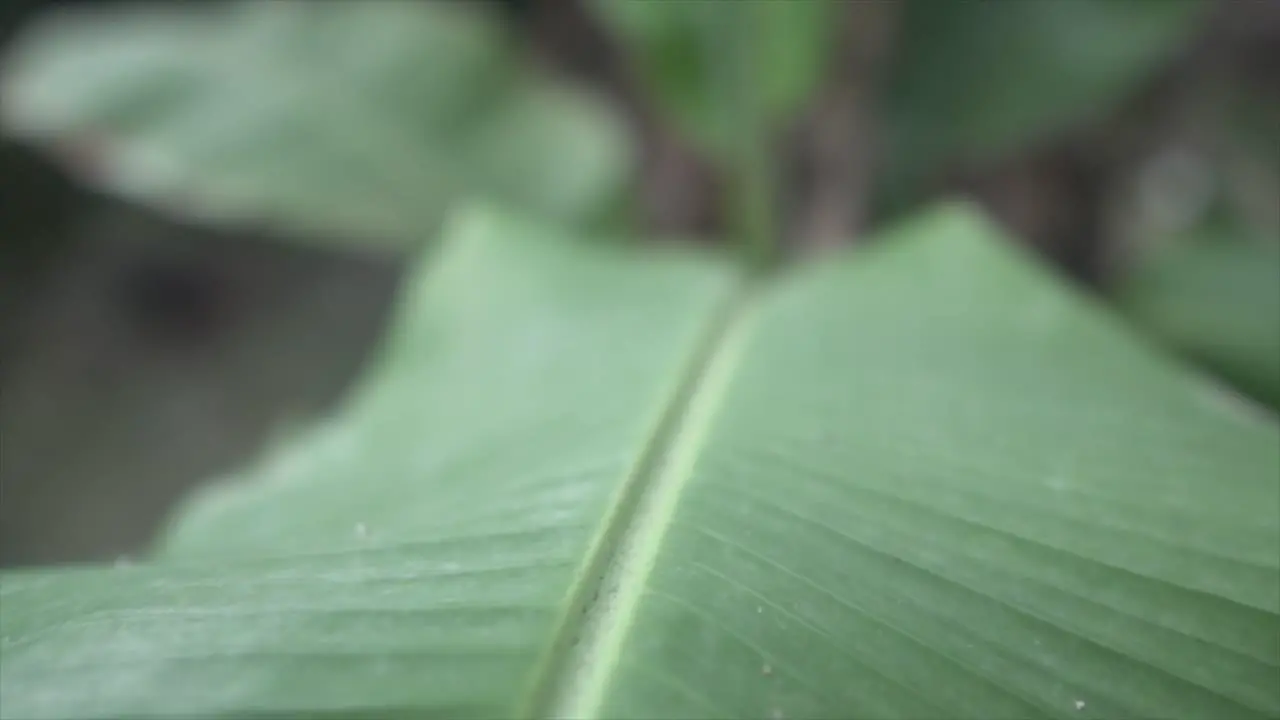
835,146
752,198
678,191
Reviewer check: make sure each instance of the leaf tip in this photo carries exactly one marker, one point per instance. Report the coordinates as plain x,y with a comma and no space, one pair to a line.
959,218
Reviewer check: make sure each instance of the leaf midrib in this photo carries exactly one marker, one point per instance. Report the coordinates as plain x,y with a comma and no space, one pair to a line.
573,678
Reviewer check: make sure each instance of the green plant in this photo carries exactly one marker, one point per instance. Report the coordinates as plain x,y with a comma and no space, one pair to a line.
1216,297
1016,74
923,479
349,120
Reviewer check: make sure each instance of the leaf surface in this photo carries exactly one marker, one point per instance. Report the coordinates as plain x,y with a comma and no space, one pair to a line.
942,486
926,481
979,80
419,552
1216,297
360,122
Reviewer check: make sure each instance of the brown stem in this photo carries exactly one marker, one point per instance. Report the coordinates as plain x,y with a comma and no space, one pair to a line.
679,193
834,149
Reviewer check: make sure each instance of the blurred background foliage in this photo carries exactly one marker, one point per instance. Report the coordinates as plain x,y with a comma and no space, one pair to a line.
207,206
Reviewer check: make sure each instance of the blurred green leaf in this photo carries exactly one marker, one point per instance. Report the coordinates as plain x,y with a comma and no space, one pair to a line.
1216,297
680,48
923,482
361,120
975,80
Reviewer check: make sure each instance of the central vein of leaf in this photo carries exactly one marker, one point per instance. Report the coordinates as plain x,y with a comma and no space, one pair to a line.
616,577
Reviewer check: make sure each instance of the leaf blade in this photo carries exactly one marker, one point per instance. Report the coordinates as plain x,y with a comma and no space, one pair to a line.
434,496
999,506
980,81
1217,299
355,122
929,481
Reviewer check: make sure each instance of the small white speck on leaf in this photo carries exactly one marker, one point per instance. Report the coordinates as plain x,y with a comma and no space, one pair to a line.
759,608
361,530
766,670
1079,704
776,714
123,561
1057,483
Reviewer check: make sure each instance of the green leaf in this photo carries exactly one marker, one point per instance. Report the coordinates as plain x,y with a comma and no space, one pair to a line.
357,121
976,80
680,49
925,481
1217,299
